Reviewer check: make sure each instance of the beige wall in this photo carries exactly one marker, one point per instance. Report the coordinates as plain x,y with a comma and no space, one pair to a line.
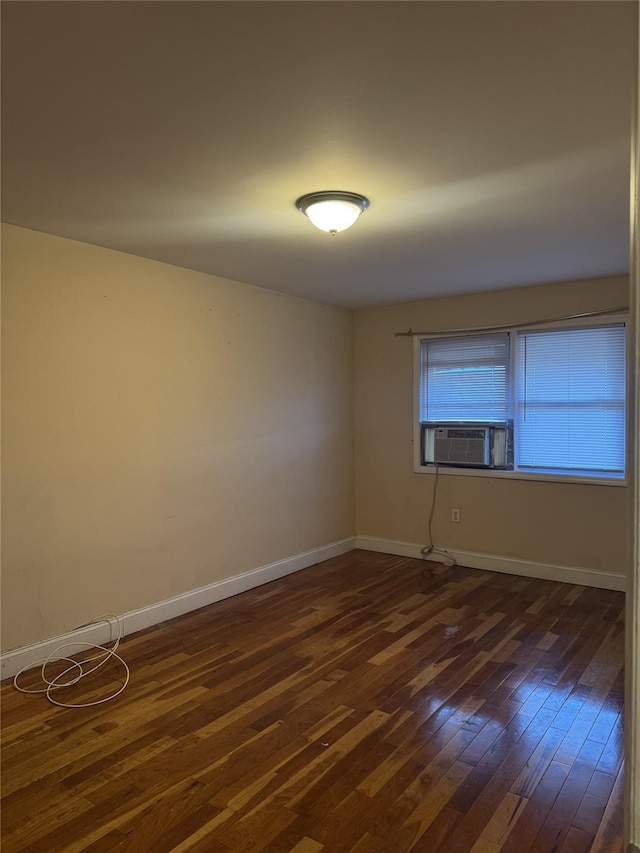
162,429
558,523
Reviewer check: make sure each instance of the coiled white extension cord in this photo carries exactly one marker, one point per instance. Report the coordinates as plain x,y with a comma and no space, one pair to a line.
59,681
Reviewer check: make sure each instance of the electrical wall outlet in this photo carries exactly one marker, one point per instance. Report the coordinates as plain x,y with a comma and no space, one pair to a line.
455,515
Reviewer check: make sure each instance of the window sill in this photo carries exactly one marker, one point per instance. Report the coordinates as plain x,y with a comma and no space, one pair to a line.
539,476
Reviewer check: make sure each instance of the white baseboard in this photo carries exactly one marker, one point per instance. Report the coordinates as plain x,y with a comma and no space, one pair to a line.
13,661
506,565
136,620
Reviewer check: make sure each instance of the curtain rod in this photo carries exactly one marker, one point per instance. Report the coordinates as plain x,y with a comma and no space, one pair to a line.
410,333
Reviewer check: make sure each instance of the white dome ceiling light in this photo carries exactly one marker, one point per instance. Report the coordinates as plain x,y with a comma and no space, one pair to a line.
332,211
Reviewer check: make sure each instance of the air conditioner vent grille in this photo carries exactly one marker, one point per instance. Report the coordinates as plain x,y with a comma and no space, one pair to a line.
470,451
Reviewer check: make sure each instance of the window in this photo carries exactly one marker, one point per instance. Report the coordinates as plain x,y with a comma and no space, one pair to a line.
464,379
562,389
570,392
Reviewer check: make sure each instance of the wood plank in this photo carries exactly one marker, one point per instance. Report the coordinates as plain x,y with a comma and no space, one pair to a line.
504,818
609,837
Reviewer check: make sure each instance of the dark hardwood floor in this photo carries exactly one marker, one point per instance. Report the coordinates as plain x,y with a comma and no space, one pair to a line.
370,703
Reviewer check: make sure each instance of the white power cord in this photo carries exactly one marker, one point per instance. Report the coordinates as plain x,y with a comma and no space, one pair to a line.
430,548
58,654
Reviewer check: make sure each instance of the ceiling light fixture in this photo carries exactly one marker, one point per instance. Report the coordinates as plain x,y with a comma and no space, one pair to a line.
332,211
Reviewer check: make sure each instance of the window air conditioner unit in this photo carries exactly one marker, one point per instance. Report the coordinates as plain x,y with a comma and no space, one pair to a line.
467,445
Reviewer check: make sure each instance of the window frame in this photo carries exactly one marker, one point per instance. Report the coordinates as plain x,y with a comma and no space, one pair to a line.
518,474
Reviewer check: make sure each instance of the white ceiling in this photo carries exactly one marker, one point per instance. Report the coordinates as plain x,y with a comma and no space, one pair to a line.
492,138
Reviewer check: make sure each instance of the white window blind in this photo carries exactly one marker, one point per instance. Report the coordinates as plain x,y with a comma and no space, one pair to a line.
464,379
570,400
